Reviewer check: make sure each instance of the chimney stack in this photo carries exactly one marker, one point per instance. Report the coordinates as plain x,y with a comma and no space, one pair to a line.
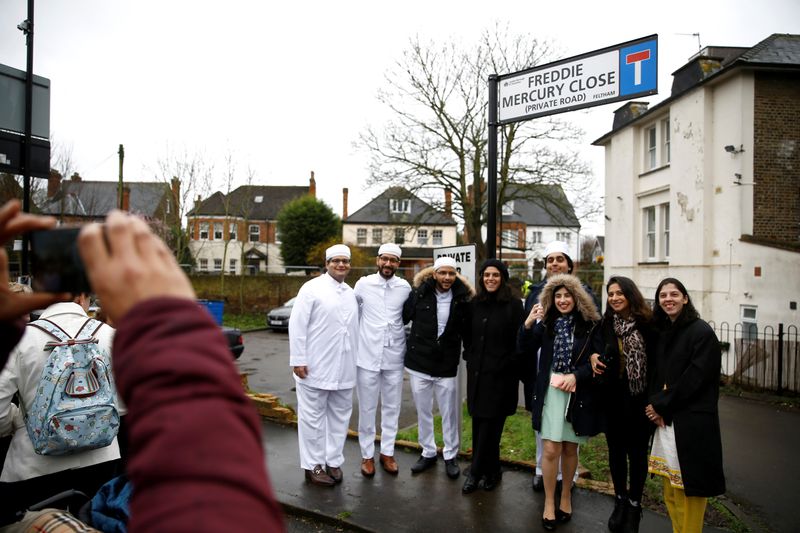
345,192
312,186
53,183
75,177
126,198
448,202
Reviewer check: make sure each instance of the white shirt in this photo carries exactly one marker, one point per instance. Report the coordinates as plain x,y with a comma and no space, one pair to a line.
323,334
381,336
443,300
22,373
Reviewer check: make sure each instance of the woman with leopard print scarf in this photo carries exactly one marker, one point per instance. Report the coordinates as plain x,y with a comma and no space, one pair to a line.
622,371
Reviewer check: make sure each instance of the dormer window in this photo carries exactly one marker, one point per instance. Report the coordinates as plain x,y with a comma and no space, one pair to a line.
508,208
258,199
400,205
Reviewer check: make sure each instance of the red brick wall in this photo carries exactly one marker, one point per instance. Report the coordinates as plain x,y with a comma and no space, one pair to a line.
776,158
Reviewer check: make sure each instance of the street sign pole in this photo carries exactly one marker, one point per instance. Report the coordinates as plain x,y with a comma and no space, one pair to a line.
27,28
491,202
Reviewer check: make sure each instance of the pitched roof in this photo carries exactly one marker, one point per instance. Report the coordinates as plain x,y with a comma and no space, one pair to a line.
377,211
97,198
540,205
256,202
778,51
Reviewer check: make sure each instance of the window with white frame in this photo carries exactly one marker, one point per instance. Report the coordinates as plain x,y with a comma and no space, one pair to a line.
749,315
361,236
536,237
217,265
657,144
508,208
254,232
204,231
422,237
217,231
563,236
377,236
233,229
204,264
399,236
232,266
509,238
400,205
655,232
437,237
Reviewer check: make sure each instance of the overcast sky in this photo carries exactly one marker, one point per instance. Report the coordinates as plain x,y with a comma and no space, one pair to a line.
287,87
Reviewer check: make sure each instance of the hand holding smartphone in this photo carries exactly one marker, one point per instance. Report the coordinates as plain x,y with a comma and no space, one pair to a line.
56,264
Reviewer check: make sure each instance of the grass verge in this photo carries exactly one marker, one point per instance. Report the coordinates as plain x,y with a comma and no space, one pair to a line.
244,322
519,444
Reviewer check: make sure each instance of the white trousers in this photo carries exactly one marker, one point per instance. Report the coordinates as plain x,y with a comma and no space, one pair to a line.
386,385
444,389
322,420
540,448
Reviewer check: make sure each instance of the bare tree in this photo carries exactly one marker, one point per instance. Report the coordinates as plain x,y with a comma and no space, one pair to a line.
194,179
438,136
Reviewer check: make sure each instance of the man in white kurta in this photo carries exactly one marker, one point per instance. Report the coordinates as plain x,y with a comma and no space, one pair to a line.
381,348
323,337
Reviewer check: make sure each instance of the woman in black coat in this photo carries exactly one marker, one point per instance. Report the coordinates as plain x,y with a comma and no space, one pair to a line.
492,371
622,373
563,400
684,391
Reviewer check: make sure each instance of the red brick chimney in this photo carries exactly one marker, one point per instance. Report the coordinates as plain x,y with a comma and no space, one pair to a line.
448,202
53,182
312,186
126,198
175,186
345,192
75,177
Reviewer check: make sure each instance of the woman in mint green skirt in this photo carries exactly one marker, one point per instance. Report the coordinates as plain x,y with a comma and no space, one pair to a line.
567,332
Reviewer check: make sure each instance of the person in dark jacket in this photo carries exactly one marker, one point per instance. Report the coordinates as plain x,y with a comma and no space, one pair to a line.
684,392
438,307
557,260
492,371
622,370
563,407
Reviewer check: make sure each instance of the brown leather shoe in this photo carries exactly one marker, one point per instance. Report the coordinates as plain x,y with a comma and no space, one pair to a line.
335,473
319,477
389,464
368,467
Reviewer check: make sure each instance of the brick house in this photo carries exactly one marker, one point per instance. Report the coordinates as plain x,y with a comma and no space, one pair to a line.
396,215
78,201
704,186
237,232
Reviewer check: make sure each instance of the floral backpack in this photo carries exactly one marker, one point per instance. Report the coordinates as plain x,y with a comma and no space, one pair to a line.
74,408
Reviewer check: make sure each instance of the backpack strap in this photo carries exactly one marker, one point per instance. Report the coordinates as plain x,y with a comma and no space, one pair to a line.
51,328
91,326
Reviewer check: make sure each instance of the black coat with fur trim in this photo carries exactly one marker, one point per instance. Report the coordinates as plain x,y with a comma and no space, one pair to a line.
426,352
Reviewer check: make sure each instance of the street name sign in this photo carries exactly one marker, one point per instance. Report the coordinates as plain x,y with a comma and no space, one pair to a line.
620,72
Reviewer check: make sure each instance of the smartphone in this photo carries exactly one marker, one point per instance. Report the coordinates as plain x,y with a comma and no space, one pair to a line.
56,265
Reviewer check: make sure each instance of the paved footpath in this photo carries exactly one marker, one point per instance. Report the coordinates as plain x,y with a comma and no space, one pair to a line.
429,501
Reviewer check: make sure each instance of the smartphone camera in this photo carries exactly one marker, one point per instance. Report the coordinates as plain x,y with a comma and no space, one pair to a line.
56,265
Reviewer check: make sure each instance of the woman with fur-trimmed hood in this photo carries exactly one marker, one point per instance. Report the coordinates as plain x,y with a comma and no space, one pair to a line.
567,333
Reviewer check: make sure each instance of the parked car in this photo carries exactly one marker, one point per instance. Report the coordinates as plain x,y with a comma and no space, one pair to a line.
235,340
278,318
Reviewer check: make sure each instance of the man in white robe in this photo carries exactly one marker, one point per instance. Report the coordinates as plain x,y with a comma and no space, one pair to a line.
381,348
323,337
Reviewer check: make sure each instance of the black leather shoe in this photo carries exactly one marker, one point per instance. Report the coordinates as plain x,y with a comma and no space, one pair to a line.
491,482
549,525
633,515
422,464
538,483
452,469
562,517
470,485
617,517
317,476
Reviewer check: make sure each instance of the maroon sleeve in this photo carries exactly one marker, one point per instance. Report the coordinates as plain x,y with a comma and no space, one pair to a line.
10,334
196,460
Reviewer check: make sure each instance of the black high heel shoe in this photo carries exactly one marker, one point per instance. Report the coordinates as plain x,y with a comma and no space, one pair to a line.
563,517
549,525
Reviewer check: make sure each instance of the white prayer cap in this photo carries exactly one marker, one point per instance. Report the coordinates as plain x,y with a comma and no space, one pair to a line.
556,247
391,249
444,261
337,250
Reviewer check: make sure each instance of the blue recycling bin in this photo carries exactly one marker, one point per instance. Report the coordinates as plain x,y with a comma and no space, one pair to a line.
215,308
